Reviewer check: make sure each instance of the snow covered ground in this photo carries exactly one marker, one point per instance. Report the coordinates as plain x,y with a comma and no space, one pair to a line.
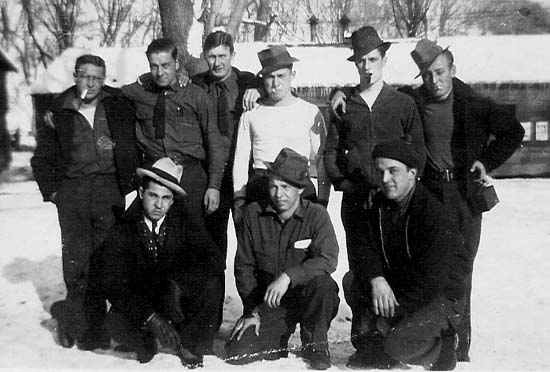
511,297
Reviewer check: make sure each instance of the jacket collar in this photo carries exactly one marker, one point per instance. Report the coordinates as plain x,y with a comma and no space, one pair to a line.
70,101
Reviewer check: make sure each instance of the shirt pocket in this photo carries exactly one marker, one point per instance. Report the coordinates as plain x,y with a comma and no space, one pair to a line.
186,125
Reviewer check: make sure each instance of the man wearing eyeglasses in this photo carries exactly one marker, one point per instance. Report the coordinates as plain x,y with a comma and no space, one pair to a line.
84,162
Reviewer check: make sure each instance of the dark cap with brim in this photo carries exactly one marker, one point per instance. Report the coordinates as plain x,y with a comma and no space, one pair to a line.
365,40
274,58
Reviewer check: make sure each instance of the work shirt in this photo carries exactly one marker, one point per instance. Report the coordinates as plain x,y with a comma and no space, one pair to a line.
303,247
438,132
190,127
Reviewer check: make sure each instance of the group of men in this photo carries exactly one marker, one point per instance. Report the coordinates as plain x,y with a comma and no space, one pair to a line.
144,178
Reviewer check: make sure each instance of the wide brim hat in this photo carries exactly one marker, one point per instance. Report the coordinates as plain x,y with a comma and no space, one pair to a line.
291,167
365,40
165,172
274,58
424,54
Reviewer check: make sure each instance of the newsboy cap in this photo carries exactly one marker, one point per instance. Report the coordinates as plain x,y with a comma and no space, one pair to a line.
424,54
400,149
291,167
365,40
274,58
165,172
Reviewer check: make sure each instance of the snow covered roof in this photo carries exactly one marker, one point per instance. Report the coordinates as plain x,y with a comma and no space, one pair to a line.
521,58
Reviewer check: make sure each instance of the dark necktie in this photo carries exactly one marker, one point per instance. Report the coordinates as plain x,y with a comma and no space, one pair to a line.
223,109
159,115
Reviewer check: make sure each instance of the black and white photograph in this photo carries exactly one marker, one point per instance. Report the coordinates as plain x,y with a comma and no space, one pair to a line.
228,185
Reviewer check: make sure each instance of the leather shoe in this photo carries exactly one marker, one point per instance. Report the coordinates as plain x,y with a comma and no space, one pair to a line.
318,359
447,357
64,338
188,359
363,359
92,342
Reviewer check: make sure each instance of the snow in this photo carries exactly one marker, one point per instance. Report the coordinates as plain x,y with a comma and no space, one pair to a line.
510,300
518,58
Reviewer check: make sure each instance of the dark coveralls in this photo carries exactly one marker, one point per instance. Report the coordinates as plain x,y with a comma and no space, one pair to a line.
305,248
89,170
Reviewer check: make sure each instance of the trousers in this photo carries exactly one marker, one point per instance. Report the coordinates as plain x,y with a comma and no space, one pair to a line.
85,210
413,338
313,306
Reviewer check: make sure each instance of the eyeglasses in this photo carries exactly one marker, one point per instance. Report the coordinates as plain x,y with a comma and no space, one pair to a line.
92,79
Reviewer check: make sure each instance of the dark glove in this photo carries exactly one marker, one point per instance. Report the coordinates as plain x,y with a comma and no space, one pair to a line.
172,302
164,331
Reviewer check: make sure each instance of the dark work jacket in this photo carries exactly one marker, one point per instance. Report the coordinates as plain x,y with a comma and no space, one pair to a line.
483,131
245,80
351,139
54,141
429,261
132,282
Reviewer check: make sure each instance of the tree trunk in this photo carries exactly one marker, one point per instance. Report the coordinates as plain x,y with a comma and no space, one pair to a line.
264,18
177,18
235,17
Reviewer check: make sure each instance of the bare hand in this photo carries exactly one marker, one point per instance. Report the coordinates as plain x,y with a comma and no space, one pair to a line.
383,299
479,167
276,290
250,99
244,323
338,101
211,200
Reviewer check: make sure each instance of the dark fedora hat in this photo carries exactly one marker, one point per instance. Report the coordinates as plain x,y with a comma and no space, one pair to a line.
274,58
165,172
424,54
291,167
365,40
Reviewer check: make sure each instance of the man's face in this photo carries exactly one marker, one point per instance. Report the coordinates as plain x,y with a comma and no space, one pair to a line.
163,68
156,200
438,78
370,67
277,83
397,178
219,61
284,196
89,78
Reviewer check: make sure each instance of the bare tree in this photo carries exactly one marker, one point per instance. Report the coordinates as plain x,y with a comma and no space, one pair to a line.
113,16
412,15
448,9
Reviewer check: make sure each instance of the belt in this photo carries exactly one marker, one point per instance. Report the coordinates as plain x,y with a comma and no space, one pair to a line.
178,159
444,175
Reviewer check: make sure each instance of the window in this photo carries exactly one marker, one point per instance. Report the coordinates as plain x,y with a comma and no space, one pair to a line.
528,136
541,131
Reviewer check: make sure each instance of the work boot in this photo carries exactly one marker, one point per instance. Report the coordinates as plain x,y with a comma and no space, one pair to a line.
317,359
447,357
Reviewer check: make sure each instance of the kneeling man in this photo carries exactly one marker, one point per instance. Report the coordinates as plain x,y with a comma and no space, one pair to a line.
286,251
406,294
161,273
